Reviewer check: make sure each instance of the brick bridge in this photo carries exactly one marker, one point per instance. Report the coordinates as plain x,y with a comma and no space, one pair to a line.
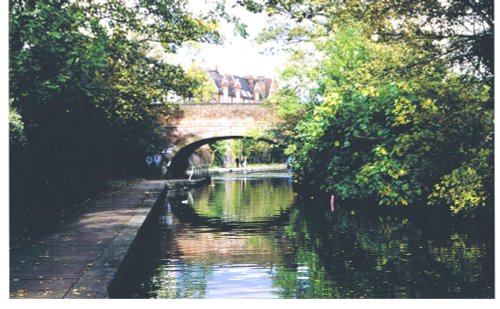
198,124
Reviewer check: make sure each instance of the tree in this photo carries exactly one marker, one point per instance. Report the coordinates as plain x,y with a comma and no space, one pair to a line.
202,88
371,128
87,92
463,28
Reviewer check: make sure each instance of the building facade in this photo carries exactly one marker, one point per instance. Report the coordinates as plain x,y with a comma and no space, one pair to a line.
237,89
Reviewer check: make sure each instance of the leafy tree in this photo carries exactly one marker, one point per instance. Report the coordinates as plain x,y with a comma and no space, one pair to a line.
400,109
258,151
87,91
203,88
463,29
16,130
370,128
219,150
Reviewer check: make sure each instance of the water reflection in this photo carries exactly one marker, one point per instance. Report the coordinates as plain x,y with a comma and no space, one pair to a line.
356,255
249,236
239,198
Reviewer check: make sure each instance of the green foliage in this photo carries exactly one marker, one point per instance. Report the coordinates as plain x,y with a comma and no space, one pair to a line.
257,151
16,129
371,128
253,150
219,150
461,30
467,186
87,90
202,87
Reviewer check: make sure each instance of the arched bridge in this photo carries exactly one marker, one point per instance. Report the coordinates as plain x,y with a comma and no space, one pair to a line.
198,124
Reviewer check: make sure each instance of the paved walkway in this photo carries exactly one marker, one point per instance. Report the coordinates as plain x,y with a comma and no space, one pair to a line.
79,258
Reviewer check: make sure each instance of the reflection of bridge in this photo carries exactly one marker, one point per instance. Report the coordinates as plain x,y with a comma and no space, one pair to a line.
200,124
187,214
201,236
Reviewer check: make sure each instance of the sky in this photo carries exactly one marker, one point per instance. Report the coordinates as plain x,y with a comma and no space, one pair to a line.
236,56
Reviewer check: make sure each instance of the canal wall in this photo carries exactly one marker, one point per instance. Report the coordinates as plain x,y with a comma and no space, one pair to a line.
107,271
180,185
137,233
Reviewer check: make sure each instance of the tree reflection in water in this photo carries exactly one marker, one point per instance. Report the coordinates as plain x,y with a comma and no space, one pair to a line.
250,236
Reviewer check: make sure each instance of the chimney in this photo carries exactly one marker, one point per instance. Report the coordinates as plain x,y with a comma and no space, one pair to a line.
237,90
256,93
250,80
225,90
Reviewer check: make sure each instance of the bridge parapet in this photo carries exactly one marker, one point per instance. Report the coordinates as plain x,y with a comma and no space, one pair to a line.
199,124
209,120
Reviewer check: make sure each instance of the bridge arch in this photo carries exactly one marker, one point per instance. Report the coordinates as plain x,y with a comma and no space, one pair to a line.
180,159
198,124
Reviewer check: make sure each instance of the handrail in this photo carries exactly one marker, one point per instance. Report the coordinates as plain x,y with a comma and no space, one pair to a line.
199,171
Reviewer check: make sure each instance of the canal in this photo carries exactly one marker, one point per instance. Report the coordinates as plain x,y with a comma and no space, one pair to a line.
251,236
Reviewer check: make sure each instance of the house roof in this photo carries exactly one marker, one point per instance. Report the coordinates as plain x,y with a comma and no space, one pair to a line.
247,84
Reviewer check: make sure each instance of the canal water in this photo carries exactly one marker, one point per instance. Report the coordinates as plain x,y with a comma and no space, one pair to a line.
251,236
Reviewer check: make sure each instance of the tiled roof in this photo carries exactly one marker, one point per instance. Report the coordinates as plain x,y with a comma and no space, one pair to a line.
247,84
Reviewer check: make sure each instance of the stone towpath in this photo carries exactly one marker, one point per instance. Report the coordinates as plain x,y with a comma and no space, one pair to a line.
79,258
